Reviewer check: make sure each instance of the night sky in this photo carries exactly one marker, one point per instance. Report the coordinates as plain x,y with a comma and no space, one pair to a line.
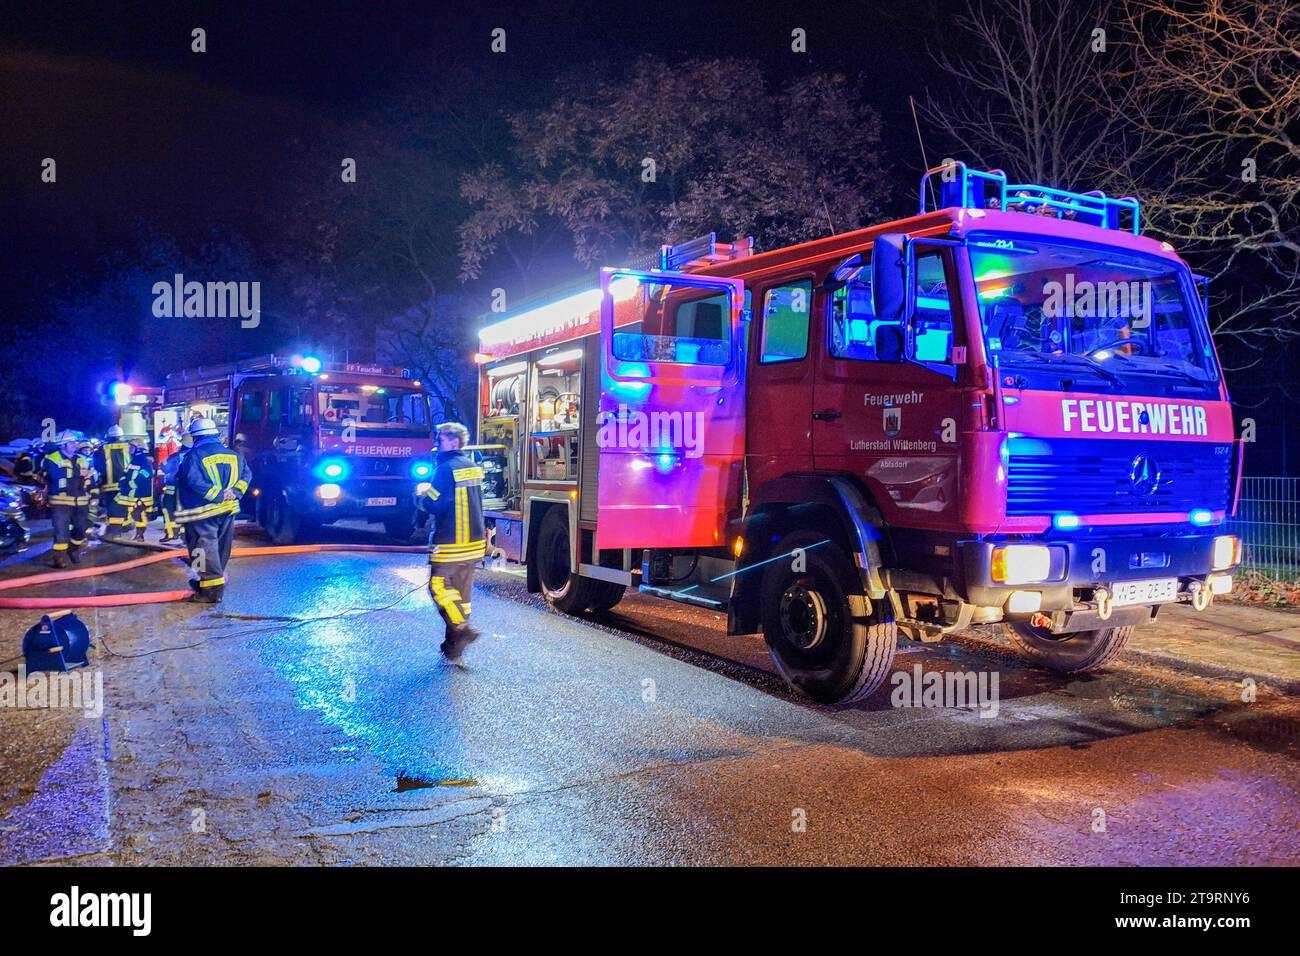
157,143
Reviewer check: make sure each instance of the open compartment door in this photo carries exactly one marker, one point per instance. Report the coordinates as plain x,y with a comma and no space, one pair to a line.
671,420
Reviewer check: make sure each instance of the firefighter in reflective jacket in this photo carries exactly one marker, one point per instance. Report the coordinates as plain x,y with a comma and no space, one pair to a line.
135,489
69,483
111,461
170,466
453,500
209,483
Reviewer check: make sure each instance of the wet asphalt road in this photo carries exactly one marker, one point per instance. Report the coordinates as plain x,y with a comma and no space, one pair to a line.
310,720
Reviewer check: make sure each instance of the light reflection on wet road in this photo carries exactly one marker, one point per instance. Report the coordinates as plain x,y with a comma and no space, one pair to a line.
648,736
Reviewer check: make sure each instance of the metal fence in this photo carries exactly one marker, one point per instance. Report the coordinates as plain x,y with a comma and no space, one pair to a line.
1268,523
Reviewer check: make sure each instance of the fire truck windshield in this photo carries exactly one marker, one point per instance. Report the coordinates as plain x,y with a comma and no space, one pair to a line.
1061,315
376,409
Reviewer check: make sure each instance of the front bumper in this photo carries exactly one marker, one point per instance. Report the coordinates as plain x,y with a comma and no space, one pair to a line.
357,499
1081,565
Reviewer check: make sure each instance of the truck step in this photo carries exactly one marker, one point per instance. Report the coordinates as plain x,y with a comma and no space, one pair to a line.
692,594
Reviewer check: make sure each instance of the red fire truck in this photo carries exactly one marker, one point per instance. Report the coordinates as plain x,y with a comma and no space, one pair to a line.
1004,410
326,441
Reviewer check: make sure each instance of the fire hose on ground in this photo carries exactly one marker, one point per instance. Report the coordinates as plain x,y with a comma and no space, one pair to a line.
157,597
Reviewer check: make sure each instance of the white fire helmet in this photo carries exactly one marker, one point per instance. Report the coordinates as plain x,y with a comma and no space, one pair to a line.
203,426
114,433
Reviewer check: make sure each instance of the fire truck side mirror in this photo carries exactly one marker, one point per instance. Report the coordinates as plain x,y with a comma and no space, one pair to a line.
893,278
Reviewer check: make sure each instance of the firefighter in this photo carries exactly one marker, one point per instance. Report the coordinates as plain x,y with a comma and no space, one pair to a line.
111,461
209,483
26,468
69,481
135,489
170,465
454,503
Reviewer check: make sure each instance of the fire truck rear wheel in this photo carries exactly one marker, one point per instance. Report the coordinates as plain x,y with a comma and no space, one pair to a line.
608,594
1068,653
563,590
828,639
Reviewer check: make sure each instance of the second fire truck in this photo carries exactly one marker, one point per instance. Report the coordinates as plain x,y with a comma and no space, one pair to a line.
1004,410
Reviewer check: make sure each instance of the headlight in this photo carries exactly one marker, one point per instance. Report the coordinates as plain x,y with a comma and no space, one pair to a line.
1021,563
422,487
1227,552
328,492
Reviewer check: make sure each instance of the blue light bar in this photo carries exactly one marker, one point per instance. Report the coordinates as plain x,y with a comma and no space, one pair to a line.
1065,522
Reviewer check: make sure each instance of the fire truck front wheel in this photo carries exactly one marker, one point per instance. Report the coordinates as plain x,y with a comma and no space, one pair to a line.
563,590
281,520
828,639
1068,653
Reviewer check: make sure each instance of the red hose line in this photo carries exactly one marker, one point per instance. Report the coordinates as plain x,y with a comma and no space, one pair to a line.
94,600
159,597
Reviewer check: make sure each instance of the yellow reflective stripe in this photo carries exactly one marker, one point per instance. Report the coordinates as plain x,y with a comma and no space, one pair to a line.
210,463
211,582
61,547
432,493
207,511
445,599
462,515
468,474
241,486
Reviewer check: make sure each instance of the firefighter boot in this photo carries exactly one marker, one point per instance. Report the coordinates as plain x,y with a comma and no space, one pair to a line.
59,560
457,640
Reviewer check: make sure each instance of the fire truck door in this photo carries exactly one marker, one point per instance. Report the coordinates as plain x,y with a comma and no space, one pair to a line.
885,404
671,420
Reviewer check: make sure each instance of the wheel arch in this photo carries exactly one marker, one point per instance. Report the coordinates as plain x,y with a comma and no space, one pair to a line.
537,510
831,504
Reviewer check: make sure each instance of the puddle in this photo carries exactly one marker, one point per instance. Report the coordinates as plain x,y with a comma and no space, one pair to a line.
405,783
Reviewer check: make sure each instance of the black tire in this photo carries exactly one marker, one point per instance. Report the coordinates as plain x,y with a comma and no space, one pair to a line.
1068,653
829,640
282,522
609,594
563,590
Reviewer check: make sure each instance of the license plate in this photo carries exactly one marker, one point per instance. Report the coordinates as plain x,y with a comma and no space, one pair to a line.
1161,591
380,502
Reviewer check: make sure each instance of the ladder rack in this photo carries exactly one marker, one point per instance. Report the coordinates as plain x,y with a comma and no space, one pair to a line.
964,188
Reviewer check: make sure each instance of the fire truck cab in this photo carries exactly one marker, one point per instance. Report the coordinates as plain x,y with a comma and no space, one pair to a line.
1005,410
325,441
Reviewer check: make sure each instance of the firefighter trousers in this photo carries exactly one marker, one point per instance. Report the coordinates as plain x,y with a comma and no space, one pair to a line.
450,586
138,510
209,541
70,523
167,505
118,517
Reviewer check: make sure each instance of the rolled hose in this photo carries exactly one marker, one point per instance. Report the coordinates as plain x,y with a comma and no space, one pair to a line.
158,597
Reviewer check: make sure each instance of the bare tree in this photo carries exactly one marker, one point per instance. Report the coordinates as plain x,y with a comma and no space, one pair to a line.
1038,90
1221,112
